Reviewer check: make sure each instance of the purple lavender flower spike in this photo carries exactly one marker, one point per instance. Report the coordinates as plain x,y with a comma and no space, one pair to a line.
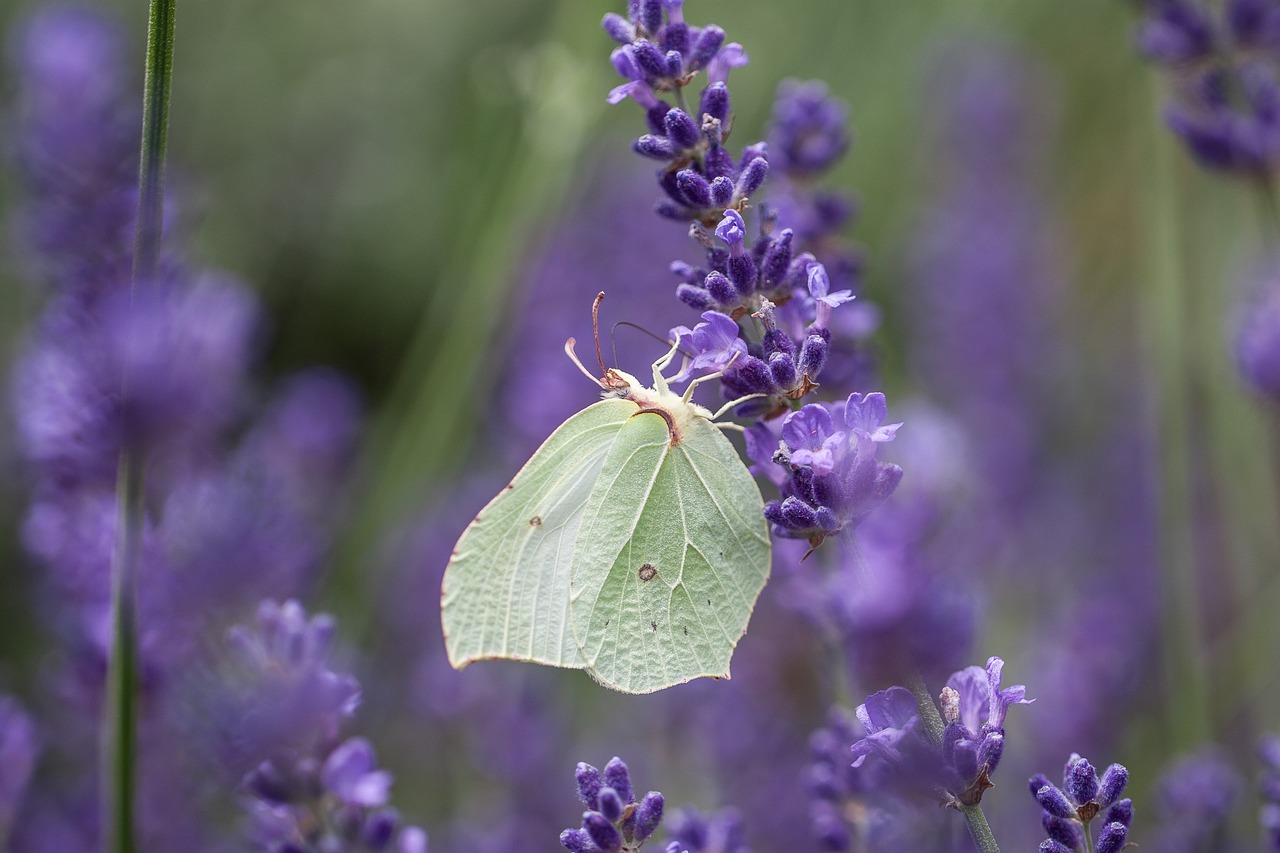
711,345
313,792
613,820
1070,812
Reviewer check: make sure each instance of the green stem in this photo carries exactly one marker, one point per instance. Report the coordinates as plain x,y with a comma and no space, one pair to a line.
120,735
155,138
119,748
933,726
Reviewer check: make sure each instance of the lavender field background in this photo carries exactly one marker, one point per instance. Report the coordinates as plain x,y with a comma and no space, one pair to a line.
382,222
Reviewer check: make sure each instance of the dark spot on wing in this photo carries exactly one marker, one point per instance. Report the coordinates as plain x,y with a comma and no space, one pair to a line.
536,521
708,602
686,631
654,626
606,623
648,572
508,487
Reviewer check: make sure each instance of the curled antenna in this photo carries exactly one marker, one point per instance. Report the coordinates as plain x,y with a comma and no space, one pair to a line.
595,328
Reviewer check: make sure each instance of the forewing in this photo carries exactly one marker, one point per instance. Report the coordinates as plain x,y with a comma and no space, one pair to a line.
673,552
506,588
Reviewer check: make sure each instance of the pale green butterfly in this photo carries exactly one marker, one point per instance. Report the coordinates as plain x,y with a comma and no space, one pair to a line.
632,545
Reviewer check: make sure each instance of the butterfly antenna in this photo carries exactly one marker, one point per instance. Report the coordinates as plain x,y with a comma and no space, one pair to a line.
573,356
595,327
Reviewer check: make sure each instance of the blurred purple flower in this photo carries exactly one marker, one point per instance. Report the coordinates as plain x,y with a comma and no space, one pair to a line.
19,748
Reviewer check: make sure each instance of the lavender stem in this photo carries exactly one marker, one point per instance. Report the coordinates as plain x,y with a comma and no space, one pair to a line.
932,720
119,739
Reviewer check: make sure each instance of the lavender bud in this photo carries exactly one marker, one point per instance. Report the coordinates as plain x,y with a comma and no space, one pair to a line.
676,37
705,46
619,28
782,367
681,130
749,375
1051,846
813,356
721,191
1067,832
964,758
671,210
752,176
577,841
1112,786
675,64
655,117
721,289
715,102
617,778
776,340
379,829
798,514
990,751
718,164
695,297
589,785
650,15
1038,781
603,833
777,258
648,815
1081,781
1120,812
1055,802
651,60
742,272
654,147
694,188
1112,838
610,804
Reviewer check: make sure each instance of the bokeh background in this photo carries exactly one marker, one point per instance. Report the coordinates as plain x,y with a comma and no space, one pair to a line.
426,194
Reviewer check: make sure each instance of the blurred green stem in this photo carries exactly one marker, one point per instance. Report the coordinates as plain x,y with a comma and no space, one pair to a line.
119,750
933,726
1166,364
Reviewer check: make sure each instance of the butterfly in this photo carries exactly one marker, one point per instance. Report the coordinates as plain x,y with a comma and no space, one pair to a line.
631,545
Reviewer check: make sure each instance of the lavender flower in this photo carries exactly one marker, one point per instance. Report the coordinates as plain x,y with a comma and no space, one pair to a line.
1197,795
614,821
833,478
1069,811
311,791
973,707
1226,79
747,272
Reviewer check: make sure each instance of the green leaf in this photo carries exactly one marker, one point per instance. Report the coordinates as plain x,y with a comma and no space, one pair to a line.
632,545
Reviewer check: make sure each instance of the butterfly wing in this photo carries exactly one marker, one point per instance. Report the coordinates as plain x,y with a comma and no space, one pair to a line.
672,553
506,589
